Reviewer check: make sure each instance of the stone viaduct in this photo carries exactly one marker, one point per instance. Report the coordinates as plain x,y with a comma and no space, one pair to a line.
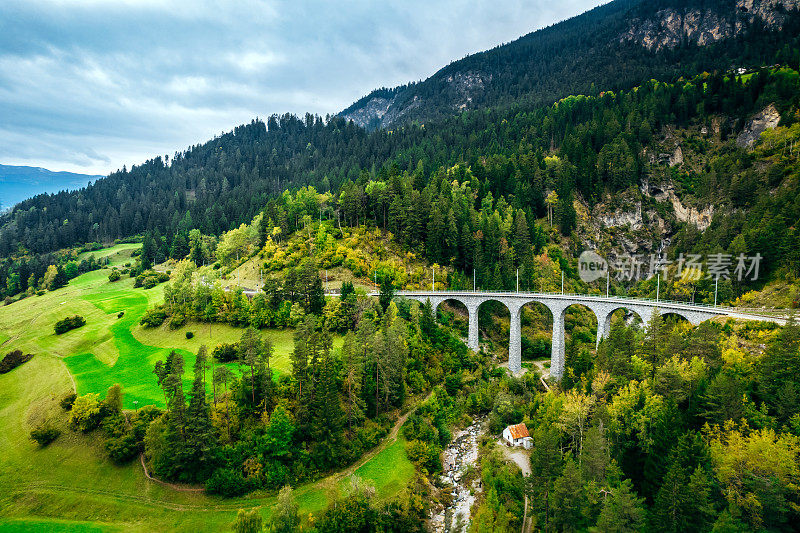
602,307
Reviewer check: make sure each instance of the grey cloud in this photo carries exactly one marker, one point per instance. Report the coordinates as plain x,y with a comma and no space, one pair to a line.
91,85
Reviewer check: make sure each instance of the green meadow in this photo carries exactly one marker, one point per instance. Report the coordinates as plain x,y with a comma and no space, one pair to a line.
71,485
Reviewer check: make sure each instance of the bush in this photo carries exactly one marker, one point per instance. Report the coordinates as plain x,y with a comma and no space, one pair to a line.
177,320
45,434
68,401
69,323
12,360
189,335
114,276
150,278
227,482
153,318
126,443
123,449
86,414
225,353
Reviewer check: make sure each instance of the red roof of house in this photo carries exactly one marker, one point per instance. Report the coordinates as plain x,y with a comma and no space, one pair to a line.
518,431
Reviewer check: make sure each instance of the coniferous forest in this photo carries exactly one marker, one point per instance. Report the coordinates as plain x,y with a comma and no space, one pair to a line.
503,162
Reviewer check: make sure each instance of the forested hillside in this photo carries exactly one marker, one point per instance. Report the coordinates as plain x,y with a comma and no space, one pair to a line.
613,47
466,193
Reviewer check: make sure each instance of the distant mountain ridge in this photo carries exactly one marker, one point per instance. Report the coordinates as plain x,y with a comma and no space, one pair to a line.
18,183
615,46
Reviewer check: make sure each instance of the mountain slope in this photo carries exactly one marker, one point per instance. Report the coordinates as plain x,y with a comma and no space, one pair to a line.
19,182
615,46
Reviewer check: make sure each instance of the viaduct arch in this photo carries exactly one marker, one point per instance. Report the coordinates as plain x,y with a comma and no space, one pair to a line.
602,307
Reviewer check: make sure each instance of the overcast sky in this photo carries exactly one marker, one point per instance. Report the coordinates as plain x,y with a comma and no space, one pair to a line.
90,85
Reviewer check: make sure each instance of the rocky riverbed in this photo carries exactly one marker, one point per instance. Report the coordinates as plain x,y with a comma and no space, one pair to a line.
461,453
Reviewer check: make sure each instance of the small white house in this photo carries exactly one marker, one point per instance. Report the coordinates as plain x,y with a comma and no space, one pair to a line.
517,435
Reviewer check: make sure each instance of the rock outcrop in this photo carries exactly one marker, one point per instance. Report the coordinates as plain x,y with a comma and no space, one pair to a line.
703,26
767,119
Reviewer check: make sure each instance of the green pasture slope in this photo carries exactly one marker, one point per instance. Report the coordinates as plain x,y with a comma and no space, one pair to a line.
108,350
71,486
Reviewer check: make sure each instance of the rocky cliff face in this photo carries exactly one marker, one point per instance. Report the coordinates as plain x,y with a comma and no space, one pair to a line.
459,87
631,223
669,28
371,113
766,119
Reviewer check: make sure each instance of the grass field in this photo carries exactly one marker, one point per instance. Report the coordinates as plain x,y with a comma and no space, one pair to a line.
71,486
108,350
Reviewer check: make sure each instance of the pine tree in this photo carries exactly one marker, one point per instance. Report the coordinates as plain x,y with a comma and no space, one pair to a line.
569,500
180,247
172,383
353,369
327,415
147,252
671,510
199,431
623,511
546,465
653,343
250,357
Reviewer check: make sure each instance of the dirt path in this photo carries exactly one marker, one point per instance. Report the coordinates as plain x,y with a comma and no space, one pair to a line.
518,456
71,378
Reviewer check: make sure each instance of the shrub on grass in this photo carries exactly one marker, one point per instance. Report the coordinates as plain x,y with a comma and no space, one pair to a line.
44,435
177,320
12,360
125,446
86,413
153,318
250,522
189,335
69,323
68,401
149,282
114,276
150,278
225,353
123,449
227,482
